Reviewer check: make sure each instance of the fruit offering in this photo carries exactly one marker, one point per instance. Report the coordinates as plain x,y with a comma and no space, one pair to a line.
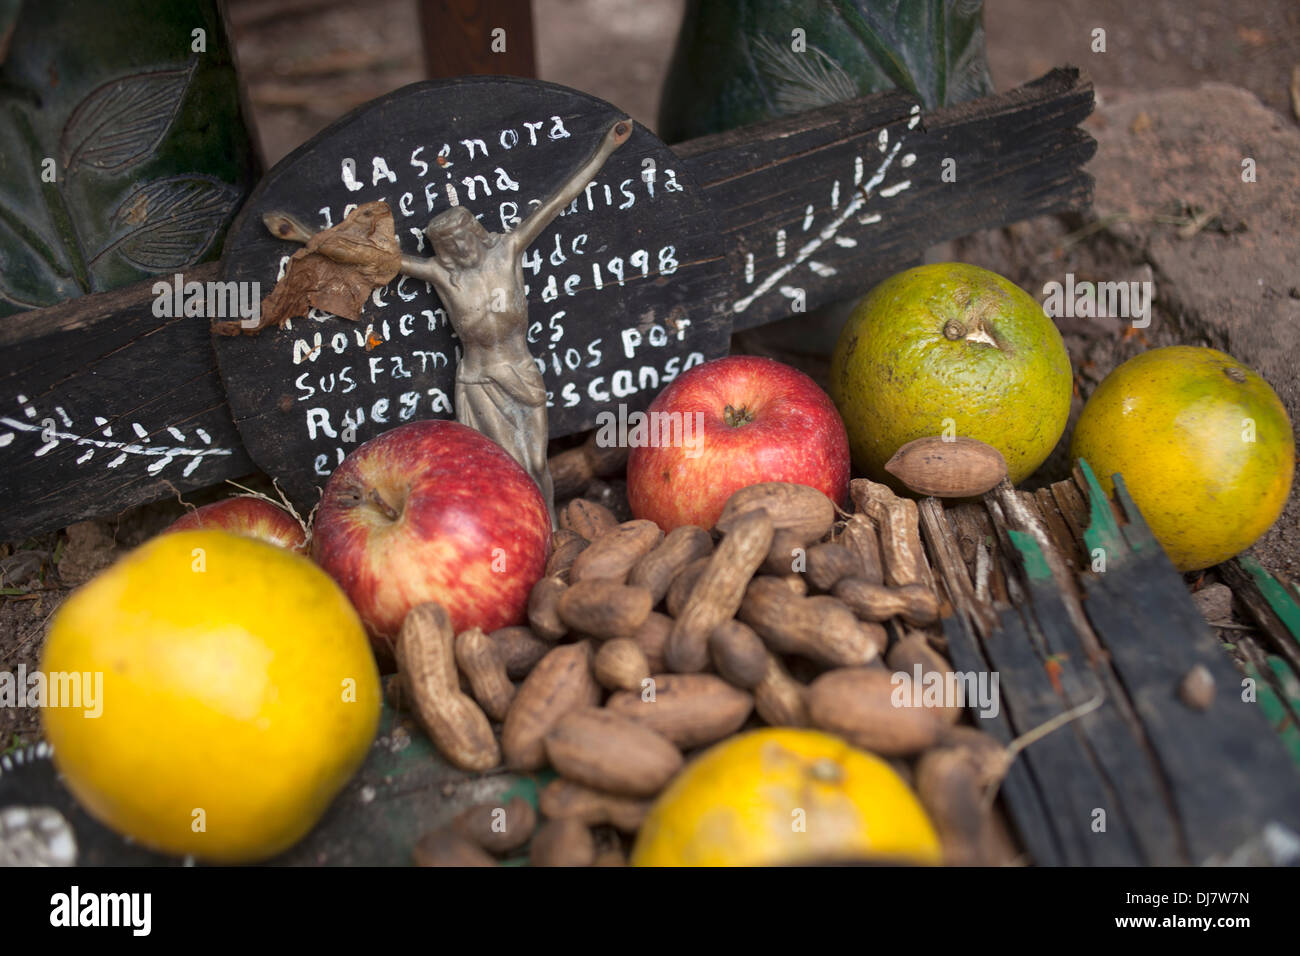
743,420
432,511
1203,443
782,795
238,695
247,515
951,350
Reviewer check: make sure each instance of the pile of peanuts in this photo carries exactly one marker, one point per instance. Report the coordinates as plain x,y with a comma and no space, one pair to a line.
641,647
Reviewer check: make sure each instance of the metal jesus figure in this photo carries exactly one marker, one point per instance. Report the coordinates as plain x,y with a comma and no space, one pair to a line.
479,277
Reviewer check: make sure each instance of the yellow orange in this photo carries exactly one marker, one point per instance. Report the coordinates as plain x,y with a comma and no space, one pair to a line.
781,795
239,694
1204,444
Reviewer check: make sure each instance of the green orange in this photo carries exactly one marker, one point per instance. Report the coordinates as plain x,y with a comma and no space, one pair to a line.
1204,444
951,348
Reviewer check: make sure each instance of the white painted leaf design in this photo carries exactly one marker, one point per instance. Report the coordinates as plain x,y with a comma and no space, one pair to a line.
121,122
171,221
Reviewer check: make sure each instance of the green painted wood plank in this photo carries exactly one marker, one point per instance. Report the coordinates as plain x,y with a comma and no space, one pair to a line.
1283,605
1103,530
1272,707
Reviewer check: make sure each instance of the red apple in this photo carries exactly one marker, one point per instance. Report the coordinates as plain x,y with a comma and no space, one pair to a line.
432,511
758,420
252,517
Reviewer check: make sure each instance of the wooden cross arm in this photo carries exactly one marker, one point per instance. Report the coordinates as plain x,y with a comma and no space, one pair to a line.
1013,156
109,403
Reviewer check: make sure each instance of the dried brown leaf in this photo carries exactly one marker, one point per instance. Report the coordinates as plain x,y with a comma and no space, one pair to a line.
335,271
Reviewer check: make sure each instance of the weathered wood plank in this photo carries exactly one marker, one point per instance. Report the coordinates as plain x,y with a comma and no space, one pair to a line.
971,522
1111,733
1021,791
791,201
1246,589
1071,784
1228,773
952,571
1057,527
1071,505
1103,758
1012,574
1079,672
104,406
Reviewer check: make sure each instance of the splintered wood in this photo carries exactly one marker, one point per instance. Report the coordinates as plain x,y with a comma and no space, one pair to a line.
952,569
1066,596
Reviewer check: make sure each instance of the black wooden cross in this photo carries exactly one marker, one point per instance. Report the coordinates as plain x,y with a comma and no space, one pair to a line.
108,401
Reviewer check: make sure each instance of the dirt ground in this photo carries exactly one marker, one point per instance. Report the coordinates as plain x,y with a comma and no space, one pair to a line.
306,62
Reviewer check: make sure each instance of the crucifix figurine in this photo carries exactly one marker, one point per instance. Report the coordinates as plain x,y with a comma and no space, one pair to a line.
479,277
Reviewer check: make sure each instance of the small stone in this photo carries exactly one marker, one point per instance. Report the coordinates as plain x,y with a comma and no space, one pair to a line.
21,569
1214,601
1197,688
